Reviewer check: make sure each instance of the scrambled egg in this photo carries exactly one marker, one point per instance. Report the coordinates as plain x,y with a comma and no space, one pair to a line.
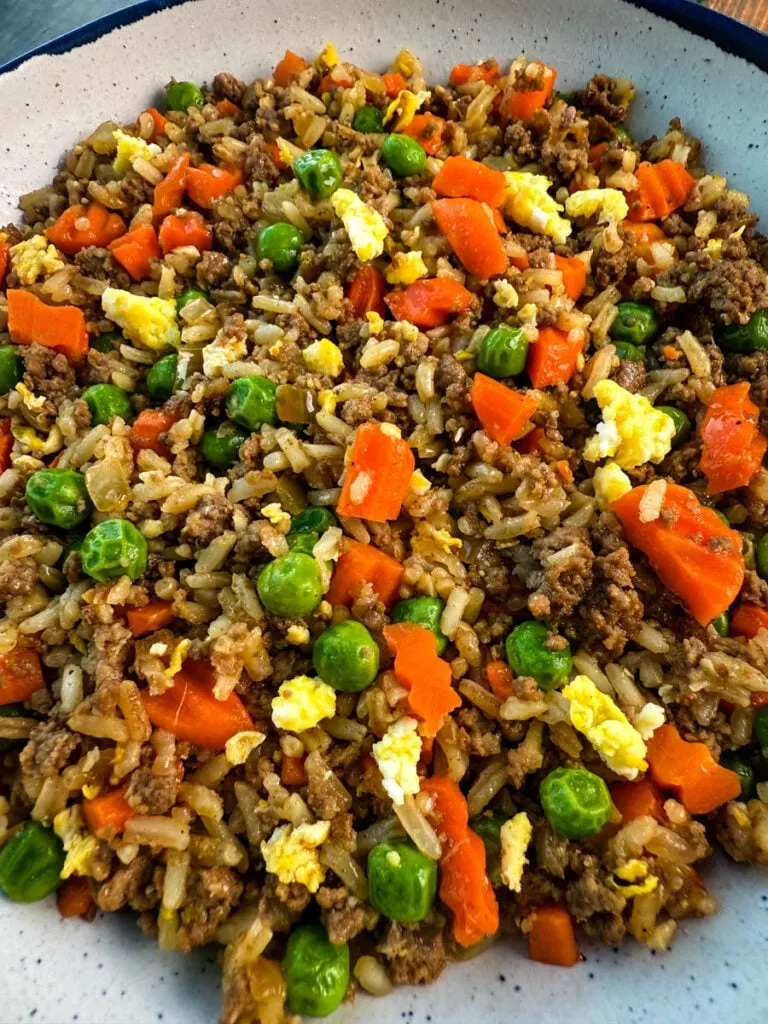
405,332
610,483
298,634
375,322
419,482
327,401
397,754
301,703
329,56
406,267
148,322
606,727
32,401
177,657
224,350
35,258
27,436
324,356
607,204
506,296
239,747
80,846
407,103
648,719
365,226
632,431
291,854
275,513
530,205
515,836
445,540
635,873
130,149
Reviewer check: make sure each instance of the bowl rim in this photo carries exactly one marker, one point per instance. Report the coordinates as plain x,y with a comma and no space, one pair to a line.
728,34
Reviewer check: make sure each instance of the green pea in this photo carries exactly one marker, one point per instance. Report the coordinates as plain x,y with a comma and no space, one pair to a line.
402,881
190,294
252,401
503,351
403,155
112,549
313,519
58,497
736,763
11,368
528,655
183,95
620,133
488,827
221,445
346,656
576,802
304,542
280,244
31,863
110,341
761,729
424,611
761,556
635,323
369,120
107,401
721,624
318,172
681,421
12,711
291,585
162,379
625,350
749,337
316,972
722,517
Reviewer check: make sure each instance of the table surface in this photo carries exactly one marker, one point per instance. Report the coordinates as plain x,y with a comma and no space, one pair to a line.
28,24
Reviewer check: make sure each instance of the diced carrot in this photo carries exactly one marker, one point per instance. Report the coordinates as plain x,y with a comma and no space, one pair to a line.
426,677
187,227
366,293
564,470
169,193
706,576
108,813
81,226
393,83
63,328
73,897
551,939
662,189
227,108
291,64
757,700
20,675
159,121
462,178
641,236
520,260
690,771
471,233
274,152
488,72
134,251
363,563
464,885
733,447
191,712
552,357
6,443
596,153
574,273
149,617
502,411
148,428
428,130
207,183
670,352
523,103
378,475
748,620
5,248
500,679
430,302
335,79
292,771
530,443
638,800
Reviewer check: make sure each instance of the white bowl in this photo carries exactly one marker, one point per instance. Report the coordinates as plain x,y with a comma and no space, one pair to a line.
57,971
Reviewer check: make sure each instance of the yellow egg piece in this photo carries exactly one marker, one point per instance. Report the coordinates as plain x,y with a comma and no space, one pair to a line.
632,431
607,728
365,226
147,322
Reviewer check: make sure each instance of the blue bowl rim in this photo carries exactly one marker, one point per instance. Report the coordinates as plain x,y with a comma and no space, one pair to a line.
728,34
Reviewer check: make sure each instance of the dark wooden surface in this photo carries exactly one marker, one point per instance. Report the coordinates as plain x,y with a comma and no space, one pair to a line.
754,12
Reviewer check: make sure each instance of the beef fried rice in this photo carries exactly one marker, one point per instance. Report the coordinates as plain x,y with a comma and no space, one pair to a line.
382,504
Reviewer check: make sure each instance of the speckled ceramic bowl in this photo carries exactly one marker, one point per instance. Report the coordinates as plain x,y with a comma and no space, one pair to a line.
106,972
